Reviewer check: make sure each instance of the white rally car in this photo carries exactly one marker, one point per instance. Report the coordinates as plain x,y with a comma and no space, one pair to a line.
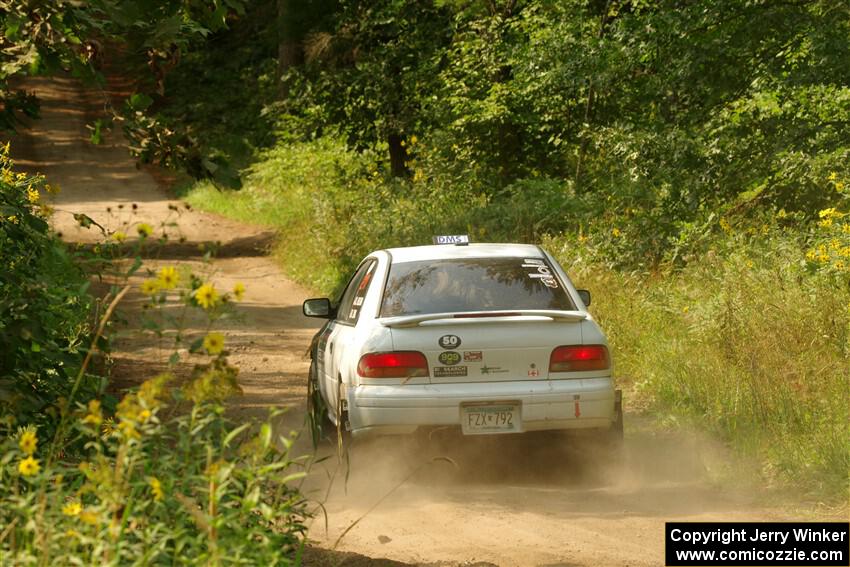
483,338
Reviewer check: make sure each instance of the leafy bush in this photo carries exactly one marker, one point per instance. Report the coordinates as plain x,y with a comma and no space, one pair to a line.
748,341
45,312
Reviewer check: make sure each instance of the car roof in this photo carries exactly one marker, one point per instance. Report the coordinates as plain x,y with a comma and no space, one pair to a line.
450,251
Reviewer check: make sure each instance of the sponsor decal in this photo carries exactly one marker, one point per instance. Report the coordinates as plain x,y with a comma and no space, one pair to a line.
449,341
358,301
540,271
449,371
452,239
493,370
472,356
449,358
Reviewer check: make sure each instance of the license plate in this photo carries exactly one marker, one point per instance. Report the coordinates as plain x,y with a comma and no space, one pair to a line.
485,419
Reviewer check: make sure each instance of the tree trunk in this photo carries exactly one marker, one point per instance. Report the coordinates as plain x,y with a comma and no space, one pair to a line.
398,156
288,45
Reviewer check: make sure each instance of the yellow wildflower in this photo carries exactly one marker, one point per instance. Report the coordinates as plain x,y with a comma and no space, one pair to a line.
32,195
119,236
839,186
29,467
832,176
94,417
13,219
150,287
214,343
89,518
144,230
616,233
108,426
28,442
828,213
156,488
153,389
724,224
168,277
72,508
825,223
844,252
838,265
128,428
238,291
207,296
811,256
835,244
144,415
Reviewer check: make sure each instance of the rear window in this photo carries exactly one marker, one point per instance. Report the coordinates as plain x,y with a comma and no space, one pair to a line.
472,284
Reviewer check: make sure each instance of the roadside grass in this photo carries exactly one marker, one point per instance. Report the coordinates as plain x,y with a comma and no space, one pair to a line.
282,190
747,342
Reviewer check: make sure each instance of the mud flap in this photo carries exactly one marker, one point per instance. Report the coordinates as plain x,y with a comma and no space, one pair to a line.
617,426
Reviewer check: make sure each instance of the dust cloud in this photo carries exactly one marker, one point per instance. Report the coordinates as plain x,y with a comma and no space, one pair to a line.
537,499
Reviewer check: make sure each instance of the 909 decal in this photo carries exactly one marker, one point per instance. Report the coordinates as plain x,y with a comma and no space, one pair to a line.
449,358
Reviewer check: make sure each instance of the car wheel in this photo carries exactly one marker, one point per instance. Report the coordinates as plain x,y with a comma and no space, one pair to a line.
317,411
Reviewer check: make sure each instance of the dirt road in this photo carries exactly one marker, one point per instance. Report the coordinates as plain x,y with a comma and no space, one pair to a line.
498,502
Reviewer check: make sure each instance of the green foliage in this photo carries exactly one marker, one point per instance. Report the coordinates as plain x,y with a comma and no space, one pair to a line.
376,68
45,312
654,115
149,39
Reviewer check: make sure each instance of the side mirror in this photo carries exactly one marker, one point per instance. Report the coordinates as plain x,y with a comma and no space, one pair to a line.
585,296
320,307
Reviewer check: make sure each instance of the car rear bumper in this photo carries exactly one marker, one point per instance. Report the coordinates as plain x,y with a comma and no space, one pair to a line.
546,404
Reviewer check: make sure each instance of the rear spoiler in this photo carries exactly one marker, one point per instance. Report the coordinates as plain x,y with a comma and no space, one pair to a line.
483,317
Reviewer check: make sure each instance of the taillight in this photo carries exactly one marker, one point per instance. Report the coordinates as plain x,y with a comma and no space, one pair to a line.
399,364
579,357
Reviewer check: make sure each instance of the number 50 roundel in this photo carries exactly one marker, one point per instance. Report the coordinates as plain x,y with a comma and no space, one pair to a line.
449,341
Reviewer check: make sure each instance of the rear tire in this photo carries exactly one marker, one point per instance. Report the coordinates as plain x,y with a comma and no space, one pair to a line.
320,424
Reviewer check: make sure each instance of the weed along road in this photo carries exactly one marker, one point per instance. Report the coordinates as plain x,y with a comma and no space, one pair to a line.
490,501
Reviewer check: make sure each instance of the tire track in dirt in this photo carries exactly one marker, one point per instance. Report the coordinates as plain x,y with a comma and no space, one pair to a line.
504,503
